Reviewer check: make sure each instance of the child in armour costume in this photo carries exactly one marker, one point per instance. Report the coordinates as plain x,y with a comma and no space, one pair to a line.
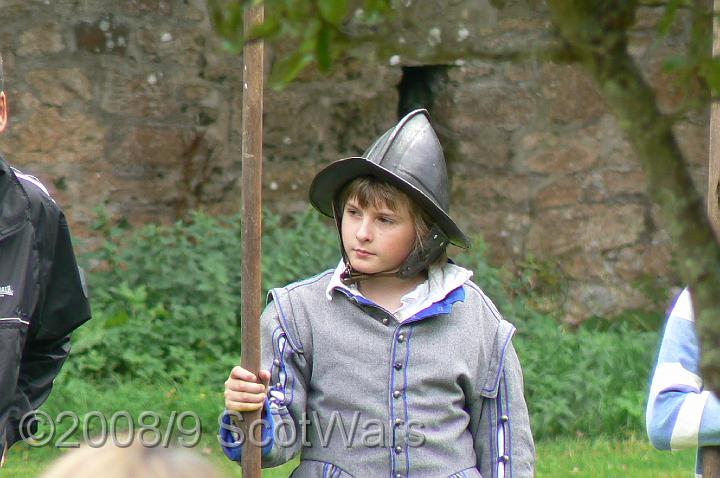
394,363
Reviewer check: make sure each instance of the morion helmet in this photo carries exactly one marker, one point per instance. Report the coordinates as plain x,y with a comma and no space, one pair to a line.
408,156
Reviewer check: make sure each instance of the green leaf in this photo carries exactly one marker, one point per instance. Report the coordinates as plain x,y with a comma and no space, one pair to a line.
333,11
119,319
284,71
323,47
668,17
267,29
376,6
710,70
675,63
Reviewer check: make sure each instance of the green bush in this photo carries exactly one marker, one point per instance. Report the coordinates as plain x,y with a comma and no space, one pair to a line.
587,382
166,299
166,302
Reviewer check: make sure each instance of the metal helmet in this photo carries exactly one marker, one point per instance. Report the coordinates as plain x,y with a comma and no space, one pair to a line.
408,156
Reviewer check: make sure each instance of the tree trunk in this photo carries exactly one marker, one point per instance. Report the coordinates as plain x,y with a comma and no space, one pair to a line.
598,40
711,455
714,159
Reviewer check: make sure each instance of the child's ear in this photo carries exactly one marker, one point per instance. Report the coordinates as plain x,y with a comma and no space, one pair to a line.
3,111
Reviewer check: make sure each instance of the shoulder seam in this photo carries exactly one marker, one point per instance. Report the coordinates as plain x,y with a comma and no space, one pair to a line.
28,178
486,300
308,281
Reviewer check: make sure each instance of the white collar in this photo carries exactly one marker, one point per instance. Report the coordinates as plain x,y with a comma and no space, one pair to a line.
442,279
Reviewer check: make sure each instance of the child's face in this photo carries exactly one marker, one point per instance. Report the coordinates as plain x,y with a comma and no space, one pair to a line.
376,239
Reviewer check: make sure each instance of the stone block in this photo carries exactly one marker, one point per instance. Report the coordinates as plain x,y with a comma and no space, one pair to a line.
48,135
472,185
560,191
60,86
435,32
694,141
146,150
166,43
40,40
584,266
595,227
141,93
503,106
503,227
569,157
652,259
142,7
479,147
570,95
609,185
586,299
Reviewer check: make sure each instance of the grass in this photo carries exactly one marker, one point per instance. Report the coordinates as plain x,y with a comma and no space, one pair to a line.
581,457
591,458
603,457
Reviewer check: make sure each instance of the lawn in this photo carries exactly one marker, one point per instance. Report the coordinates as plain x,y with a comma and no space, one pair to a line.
626,456
597,458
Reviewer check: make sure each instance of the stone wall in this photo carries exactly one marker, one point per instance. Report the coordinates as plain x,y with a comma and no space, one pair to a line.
132,105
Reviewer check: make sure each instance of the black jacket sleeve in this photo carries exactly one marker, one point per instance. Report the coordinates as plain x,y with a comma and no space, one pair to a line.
63,306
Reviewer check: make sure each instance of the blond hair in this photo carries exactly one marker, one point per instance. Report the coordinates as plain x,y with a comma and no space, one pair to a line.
134,461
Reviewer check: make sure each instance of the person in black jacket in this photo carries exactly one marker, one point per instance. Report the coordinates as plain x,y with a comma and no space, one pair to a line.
42,296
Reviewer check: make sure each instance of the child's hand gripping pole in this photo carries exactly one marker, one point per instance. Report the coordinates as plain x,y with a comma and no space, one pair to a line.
244,391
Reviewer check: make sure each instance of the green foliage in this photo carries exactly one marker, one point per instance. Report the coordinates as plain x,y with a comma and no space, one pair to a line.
166,302
301,247
587,382
320,29
493,281
696,70
168,297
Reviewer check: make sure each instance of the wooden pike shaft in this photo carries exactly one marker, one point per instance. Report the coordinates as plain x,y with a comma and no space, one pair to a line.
711,455
252,113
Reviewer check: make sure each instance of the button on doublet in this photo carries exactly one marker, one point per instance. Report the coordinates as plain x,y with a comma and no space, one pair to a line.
396,394
398,365
504,459
401,338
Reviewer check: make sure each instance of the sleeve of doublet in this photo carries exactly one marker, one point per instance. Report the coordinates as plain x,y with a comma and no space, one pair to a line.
520,448
500,422
680,414
283,353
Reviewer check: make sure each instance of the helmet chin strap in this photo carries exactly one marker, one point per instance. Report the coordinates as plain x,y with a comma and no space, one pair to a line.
417,261
350,276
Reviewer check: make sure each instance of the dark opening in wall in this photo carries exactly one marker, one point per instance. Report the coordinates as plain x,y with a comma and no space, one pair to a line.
418,87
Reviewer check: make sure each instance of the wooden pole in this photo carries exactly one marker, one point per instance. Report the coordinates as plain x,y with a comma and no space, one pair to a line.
711,455
252,112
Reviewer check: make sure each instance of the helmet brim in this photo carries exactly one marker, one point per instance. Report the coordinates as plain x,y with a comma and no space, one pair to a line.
329,182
